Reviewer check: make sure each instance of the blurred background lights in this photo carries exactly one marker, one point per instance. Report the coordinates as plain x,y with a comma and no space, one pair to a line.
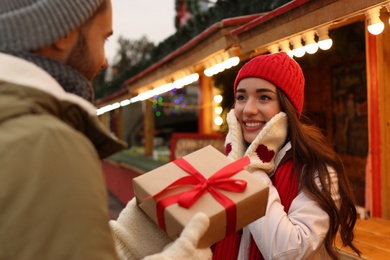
218,120
218,99
218,110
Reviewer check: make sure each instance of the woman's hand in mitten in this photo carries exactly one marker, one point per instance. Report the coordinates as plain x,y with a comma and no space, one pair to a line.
269,141
185,247
263,149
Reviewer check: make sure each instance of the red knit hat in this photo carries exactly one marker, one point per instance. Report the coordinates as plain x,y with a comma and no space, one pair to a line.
280,70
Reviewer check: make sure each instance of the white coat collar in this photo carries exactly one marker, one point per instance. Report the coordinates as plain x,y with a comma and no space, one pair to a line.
21,72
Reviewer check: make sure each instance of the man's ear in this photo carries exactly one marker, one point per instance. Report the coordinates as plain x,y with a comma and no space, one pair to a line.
60,49
67,42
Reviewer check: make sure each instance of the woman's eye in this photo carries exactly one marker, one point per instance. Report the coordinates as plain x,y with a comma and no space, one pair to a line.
263,97
240,97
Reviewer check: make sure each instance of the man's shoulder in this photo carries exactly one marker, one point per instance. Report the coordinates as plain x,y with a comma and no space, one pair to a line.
41,130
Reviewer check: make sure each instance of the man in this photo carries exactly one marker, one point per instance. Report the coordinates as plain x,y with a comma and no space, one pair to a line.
53,201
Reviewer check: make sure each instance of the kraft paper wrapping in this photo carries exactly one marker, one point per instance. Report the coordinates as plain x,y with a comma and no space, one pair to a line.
251,203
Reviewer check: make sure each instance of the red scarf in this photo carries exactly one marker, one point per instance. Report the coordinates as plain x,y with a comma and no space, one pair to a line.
285,181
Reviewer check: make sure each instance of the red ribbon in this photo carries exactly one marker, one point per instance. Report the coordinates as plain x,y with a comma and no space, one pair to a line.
219,180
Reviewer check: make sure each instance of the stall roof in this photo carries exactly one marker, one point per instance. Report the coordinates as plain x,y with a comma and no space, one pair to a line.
251,34
228,25
304,16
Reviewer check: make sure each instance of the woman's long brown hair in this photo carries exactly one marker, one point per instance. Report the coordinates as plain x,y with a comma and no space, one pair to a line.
312,154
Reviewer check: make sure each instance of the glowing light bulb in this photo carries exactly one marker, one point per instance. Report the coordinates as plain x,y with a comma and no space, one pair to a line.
218,98
311,46
298,49
218,110
285,47
375,25
218,120
324,42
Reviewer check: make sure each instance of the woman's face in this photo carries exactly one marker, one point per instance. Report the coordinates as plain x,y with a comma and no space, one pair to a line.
256,103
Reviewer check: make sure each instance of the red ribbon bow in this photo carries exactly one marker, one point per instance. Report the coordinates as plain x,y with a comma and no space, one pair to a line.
219,180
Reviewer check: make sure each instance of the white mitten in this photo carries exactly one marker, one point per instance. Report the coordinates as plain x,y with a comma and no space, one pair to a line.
235,144
136,235
263,149
185,247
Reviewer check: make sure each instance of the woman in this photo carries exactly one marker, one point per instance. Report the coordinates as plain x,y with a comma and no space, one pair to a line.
309,198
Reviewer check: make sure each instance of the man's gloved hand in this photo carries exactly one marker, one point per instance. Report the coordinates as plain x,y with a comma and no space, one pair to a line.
136,235
185,247
263,149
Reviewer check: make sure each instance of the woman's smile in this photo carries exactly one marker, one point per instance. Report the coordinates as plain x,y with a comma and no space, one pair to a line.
253,125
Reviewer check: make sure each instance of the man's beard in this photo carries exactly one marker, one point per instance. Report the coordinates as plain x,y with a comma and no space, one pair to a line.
81,59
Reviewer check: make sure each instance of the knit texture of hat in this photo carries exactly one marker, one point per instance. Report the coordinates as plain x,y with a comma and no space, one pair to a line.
280,70
27,25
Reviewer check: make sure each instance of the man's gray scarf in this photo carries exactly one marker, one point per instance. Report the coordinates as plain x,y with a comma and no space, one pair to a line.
70,80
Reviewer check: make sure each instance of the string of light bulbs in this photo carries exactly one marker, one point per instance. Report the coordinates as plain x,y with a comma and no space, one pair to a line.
308,38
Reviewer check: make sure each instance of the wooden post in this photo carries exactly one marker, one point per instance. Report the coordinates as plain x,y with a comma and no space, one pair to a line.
205,100
120,124
379,120
378,78
148,127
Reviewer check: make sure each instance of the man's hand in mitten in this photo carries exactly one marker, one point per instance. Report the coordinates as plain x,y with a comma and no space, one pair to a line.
185,247
136,235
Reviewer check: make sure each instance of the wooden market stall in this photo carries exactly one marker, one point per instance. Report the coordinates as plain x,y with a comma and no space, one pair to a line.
330,77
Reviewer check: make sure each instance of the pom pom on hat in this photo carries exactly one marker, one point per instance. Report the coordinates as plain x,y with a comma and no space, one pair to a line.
27,25
279,69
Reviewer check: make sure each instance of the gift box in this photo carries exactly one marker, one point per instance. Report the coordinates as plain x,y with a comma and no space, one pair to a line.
207,181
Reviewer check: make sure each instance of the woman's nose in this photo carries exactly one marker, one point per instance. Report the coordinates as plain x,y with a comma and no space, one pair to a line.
250,107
